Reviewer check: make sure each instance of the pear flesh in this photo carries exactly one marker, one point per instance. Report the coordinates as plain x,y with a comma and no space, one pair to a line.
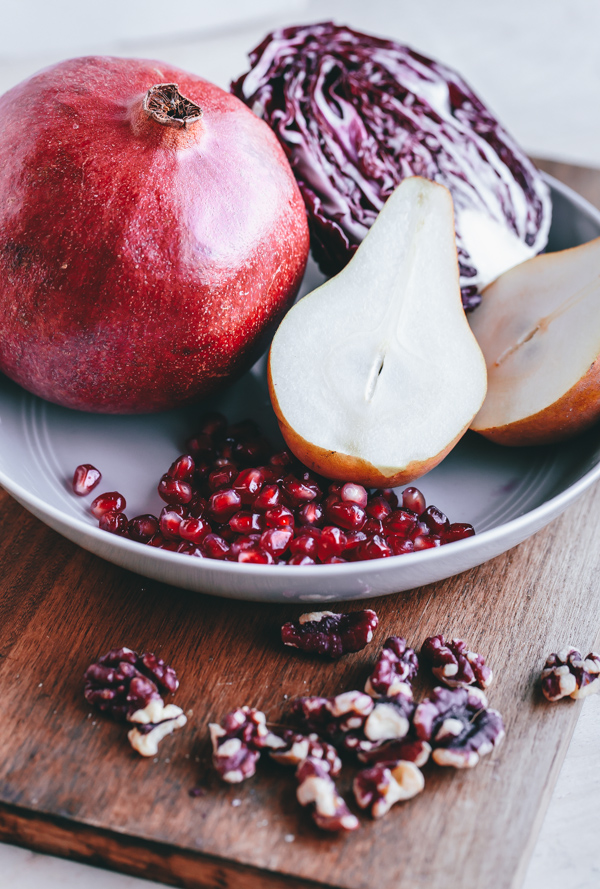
539,328
375,375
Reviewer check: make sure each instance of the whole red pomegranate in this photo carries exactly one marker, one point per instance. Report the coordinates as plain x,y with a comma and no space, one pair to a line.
151,235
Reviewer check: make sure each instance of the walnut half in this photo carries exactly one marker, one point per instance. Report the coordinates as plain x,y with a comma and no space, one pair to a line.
316,788
380,787
568,674
152,724
458,725
238,741
454,665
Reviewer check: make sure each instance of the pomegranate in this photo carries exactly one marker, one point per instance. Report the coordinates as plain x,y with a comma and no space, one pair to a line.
152,235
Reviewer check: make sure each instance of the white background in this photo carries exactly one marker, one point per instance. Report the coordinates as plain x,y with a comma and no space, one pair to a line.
535,62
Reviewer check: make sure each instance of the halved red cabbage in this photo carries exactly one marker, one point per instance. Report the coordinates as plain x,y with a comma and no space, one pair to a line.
357,114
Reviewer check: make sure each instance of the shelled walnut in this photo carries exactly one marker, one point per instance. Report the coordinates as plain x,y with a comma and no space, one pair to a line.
316,788
568,674
454,665
458,725
380,787
238,742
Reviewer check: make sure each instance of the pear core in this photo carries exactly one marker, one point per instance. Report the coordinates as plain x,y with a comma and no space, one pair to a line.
376,372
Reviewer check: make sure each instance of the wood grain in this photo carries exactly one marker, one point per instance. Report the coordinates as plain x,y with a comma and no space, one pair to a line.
70,784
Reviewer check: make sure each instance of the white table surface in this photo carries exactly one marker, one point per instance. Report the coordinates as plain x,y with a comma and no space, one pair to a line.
536,63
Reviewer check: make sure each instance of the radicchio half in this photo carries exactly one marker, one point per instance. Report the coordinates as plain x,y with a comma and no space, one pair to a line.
357,114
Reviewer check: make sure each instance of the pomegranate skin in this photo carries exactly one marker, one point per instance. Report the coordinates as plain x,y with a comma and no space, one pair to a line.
142,266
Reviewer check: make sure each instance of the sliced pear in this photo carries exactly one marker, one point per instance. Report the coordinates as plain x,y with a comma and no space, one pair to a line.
539,328
376,375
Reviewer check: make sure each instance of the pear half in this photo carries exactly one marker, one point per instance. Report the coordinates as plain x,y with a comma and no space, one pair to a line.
539,328
376,375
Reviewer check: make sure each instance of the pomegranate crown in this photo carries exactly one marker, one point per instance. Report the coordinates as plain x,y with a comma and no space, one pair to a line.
165,104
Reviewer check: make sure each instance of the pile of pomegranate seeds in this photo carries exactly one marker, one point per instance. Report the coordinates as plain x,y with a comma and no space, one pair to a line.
232,497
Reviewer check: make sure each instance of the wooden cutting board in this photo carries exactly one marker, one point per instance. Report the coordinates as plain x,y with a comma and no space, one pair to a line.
71,785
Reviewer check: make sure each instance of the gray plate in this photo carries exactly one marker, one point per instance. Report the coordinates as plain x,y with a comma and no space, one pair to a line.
507,493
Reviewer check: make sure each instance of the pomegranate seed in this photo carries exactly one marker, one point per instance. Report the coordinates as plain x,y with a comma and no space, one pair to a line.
373,527
282,460
423,542
276,540
332,542
352,493
200,445
347,515
170,519
413,499
183,468
388,494
298,492
457,531
400,545
252,451
174,492
197,506
248,484
378,508
194,530
85,479
224,461
203,468
224,504
255,555
215,547
304,545
419,530
242,543
245,522
309,531
400,521
301,560
222,477
226,533
311,514
190,549
114,522
161,542
112,501
269,474
142,528
375,548
353,541
435,520
330,500
269,497
214,425
227,451
279,517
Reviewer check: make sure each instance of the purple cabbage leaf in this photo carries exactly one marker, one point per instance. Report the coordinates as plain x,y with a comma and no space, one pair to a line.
356,114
